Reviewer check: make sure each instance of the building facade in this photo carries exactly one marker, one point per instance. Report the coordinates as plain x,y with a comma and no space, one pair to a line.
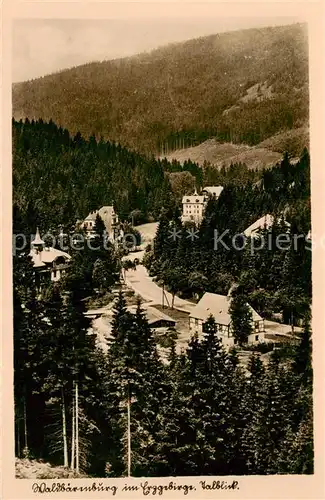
194,205
109,217
50,264
193,208
218,307
263,223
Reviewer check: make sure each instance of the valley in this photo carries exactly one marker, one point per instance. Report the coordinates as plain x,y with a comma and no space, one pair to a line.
162,285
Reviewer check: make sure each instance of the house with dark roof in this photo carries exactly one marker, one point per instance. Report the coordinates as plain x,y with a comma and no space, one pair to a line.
218,306
156,319
49,263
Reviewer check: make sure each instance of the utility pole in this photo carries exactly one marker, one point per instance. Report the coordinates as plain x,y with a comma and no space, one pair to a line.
26,452
64,429
129,431
73,438
77,430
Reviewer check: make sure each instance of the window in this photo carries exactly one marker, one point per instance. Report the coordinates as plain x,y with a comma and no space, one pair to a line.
256,337
54,274
257,326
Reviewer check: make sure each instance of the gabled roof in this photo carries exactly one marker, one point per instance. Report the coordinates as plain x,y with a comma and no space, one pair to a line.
91,216
264,222
103,211
218,306
47,256
214,190
153,314
106,210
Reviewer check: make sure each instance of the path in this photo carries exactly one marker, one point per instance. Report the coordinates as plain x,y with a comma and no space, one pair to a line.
140,281
142,284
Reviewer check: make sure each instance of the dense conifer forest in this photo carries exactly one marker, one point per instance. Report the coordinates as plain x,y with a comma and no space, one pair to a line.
198,412
276,278
59,178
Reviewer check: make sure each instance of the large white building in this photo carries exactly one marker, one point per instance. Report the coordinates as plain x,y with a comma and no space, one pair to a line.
218,307
193,208
194,205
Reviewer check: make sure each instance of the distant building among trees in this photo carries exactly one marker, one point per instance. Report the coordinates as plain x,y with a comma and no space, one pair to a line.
263,223
50,264
108,216
194,205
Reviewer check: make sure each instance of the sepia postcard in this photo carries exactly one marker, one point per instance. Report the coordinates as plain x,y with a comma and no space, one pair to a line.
163,250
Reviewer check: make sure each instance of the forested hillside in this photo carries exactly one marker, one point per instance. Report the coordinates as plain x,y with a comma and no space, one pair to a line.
112,405
275,278
197,414
240,87
58,178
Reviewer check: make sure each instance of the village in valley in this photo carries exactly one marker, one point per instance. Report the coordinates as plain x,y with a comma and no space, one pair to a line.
168,316
162,251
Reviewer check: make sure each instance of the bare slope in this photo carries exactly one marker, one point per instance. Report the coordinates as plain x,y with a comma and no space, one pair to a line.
220,154
292,141
265,154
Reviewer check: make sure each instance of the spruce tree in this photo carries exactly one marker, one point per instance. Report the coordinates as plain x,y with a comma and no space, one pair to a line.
162,238
241,319
99,228
133,370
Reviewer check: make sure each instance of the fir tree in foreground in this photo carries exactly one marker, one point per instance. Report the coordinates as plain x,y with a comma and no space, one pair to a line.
128,412
241,318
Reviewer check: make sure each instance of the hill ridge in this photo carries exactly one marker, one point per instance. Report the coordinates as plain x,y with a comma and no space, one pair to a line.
179,92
